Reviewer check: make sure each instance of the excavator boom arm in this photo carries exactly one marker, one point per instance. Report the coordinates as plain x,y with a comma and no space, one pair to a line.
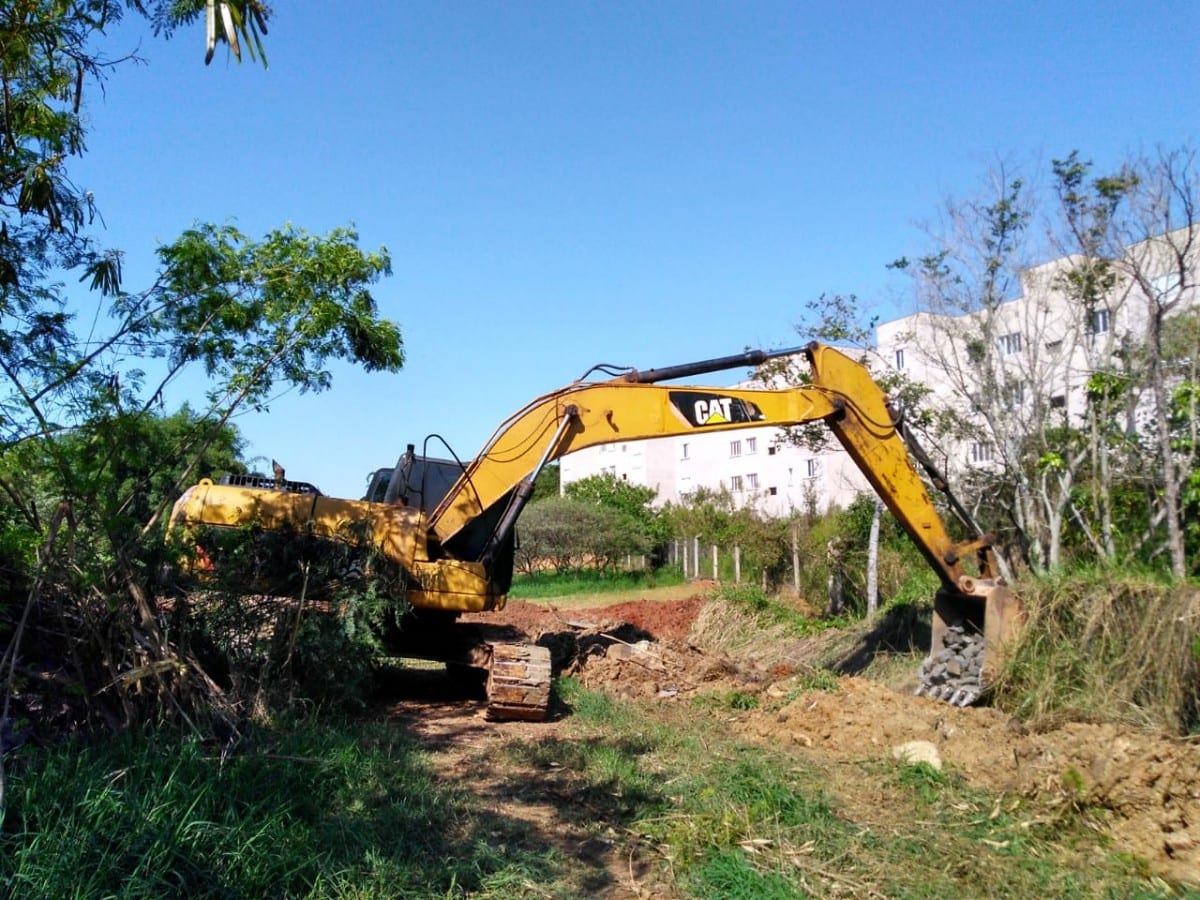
632,407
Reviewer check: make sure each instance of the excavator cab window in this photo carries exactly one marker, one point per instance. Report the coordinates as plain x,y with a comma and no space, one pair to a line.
377,485
420,481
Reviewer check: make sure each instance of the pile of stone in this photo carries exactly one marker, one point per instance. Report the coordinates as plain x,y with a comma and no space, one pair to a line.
954,672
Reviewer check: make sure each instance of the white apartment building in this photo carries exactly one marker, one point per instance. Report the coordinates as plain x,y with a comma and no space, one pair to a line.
1038,350
1045,349
756,465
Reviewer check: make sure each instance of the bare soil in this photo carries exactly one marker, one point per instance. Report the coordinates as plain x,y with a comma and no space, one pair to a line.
1147,784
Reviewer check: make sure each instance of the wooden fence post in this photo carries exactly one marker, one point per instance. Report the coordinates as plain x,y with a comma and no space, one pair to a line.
795,560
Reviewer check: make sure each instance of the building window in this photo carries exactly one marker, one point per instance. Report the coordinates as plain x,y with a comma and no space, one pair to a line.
684,452
900,358
1010,344
752,481
771,451
812,467
735,448
1013,396
1099,321
981,452
735,484
751,446
1054,346
1166,287
1058,401
772,491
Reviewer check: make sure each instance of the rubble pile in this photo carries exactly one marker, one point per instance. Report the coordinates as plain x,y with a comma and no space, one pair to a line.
954,673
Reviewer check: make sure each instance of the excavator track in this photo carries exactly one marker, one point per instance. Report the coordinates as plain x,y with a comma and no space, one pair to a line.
518,684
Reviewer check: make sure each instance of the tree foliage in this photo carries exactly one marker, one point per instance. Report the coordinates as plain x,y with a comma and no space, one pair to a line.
1063,371
633,503
713,517
567,533
89,459
599,521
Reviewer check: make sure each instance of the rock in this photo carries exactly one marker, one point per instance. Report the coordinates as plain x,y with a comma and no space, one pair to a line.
915,752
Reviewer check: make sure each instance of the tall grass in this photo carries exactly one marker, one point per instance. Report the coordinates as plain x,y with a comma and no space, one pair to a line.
742,619
1107,647
318,810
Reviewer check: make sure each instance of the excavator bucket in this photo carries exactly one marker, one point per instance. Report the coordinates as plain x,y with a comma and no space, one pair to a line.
971,635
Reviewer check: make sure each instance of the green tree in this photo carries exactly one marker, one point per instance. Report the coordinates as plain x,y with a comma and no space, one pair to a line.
570,533
549,482
48,62
1161,262
88,461
632,502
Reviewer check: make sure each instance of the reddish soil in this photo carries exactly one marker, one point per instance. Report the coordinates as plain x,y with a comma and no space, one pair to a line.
1148,785
659,620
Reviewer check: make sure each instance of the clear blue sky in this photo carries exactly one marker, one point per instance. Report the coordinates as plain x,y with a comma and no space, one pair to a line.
643,183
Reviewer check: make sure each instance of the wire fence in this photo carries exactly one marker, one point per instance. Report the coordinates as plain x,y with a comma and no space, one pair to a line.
699,560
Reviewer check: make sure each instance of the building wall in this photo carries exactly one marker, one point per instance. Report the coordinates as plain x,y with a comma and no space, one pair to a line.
755,465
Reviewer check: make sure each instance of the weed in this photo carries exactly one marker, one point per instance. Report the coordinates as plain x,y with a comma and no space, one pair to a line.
731,820
588,706
307,809
1106,647
924,780
741,700
749,596
816,680
730,875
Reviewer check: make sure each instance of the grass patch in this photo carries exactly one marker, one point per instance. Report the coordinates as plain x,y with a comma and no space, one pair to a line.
742,620
311,809
592,583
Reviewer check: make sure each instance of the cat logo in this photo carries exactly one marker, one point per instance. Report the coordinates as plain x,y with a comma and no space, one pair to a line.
702,409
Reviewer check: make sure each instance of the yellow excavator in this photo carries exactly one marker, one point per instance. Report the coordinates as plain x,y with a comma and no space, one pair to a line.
449,529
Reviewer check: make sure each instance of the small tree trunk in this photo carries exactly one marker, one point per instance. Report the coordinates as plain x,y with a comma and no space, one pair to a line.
795,560
836,588
873,560
837,592
1170,475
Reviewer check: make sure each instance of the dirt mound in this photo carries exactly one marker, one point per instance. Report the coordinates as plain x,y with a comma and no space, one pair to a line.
658,620
1150,784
